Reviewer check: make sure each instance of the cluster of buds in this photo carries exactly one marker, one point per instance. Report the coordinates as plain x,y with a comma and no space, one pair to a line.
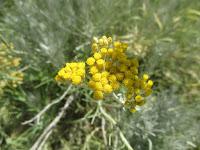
9,67
74,72
109,69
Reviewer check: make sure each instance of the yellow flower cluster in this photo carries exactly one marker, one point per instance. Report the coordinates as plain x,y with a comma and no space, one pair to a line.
10,76
137,90
110,69
74,72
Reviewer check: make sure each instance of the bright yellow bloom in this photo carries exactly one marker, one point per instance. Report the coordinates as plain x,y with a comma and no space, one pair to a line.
91,84
107,88
76,80
115,85
74,72
94,47
109,40
112,78
150,83
110,51
93,70
104,74
104,51
145,77
101,42
133,110
96,77
98,95
98,86
90,61
138,98
97,56
104,80
100,62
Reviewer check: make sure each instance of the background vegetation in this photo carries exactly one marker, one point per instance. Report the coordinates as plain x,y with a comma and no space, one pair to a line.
164,35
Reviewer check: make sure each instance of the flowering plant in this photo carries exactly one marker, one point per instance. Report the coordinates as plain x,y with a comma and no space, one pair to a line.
108,69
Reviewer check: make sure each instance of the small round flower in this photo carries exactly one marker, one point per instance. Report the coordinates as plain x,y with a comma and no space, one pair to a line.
104,80
133,109
96,77
128,82
94,47
90,61
117,44
100,62
97,56
101,42
137,91
150,83
91,84
104,51
115,85
110,51
145,77
107,88
112,78
105,42
93,70
98,86
138,98
98,95
109,40
76,80
104,74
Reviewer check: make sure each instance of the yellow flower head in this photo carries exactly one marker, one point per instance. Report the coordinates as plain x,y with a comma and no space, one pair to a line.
74,72
90,61
98,95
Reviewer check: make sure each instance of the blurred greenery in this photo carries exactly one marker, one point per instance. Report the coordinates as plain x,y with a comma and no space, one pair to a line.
164,35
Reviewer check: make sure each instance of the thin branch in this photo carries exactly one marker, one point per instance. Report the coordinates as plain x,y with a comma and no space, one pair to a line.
125,141
150,144
88,137
48,130
103,122
44,140
115,146
108,117
38,116
95,114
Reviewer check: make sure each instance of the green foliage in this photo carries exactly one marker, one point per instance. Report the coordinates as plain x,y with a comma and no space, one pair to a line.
47,33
